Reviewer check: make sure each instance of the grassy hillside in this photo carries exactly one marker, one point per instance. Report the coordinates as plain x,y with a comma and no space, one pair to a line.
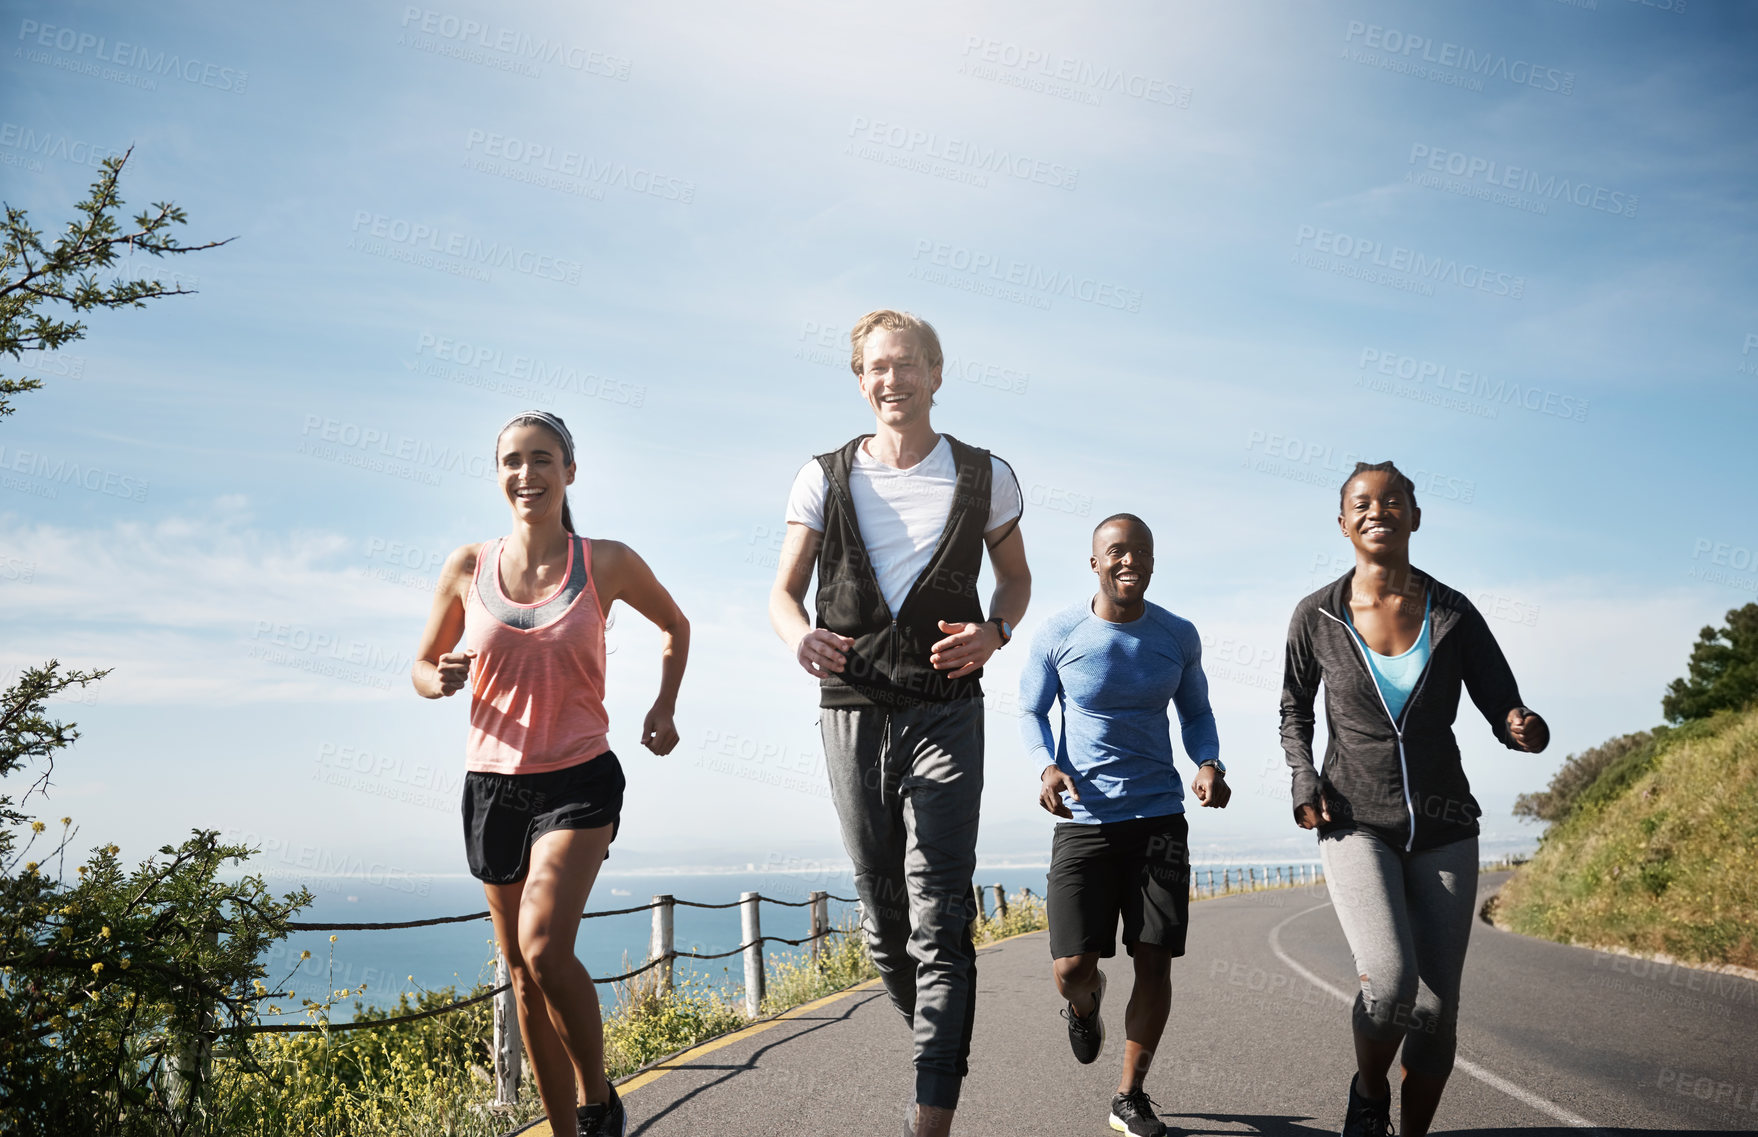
1660,853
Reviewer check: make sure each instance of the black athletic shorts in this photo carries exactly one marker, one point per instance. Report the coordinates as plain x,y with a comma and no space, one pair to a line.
1139,869
504,814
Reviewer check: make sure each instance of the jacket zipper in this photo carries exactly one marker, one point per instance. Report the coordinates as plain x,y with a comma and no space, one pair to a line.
1403,766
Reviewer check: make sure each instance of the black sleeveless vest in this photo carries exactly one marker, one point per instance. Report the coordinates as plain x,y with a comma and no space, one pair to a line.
888,665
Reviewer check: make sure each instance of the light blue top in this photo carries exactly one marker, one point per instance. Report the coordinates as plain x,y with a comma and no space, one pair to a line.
1396,675
1114,682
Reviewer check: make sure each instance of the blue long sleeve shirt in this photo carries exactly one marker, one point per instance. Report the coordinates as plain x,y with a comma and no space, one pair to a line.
1114,683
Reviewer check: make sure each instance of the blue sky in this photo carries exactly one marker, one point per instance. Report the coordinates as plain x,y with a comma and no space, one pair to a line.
1186,260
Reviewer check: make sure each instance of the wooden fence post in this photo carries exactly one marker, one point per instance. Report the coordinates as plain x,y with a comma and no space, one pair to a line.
820,910
982,908
1000,902
662,943
508,1050
752,929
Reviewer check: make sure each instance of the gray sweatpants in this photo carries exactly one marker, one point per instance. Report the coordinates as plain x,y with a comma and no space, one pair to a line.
1407,917
907,783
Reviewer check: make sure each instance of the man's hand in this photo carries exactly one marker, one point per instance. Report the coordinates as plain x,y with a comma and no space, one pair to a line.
1211,788
454,670
821,650
1052,784
1530,733
965,648
658,733
1308,817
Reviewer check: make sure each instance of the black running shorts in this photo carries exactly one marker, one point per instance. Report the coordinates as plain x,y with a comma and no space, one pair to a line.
1139,869
504,814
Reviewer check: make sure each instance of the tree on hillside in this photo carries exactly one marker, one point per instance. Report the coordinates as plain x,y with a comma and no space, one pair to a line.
33,275
1723,670
1579,771
115,984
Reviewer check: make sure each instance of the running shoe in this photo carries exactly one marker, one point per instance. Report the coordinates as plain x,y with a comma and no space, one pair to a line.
1133,1113
1366,1117
606,1120
1086,1033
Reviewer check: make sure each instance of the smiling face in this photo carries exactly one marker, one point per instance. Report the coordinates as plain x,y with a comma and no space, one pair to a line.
1378,515
532,475
1123,558
896,380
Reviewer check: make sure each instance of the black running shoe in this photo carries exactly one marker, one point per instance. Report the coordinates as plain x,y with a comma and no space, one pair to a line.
1133,1113
606,1120
1086,1033
1366,1117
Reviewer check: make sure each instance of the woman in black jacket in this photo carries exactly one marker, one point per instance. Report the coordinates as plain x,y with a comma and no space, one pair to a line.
1397,823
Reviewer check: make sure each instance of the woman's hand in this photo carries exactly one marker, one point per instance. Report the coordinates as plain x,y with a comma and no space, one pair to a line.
1051,786
658,733
1308,817
454,670
1530,732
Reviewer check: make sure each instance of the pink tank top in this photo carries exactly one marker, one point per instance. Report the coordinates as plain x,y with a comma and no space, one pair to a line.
537,685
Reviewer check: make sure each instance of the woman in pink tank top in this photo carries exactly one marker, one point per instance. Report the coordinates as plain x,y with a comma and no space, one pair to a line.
543,791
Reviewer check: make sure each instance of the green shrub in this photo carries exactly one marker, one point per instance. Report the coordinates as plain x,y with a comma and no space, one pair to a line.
112,978
650,1022
793,978
1025,913
428,1078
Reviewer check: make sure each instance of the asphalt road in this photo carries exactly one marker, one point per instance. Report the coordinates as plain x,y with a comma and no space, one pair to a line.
1551,1038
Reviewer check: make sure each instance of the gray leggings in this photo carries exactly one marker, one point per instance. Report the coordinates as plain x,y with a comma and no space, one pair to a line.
1407,917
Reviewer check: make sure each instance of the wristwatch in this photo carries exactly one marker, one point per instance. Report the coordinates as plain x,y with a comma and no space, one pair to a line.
1002,626
1216,763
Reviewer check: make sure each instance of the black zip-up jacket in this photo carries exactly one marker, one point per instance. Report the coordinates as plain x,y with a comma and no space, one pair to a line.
1402,779
888,665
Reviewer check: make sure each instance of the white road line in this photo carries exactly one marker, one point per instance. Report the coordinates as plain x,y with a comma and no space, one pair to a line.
1495,1081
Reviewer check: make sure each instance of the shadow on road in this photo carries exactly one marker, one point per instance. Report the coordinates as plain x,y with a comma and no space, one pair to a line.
727,1072
1266,1124
1602,1131
1269,1125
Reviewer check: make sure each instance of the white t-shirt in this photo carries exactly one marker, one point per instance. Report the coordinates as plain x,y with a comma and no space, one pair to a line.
901,512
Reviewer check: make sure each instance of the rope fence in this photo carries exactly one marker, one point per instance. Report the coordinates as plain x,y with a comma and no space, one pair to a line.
507,1046
300,926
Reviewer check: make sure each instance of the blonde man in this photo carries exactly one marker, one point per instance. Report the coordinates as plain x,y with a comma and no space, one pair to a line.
895,524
